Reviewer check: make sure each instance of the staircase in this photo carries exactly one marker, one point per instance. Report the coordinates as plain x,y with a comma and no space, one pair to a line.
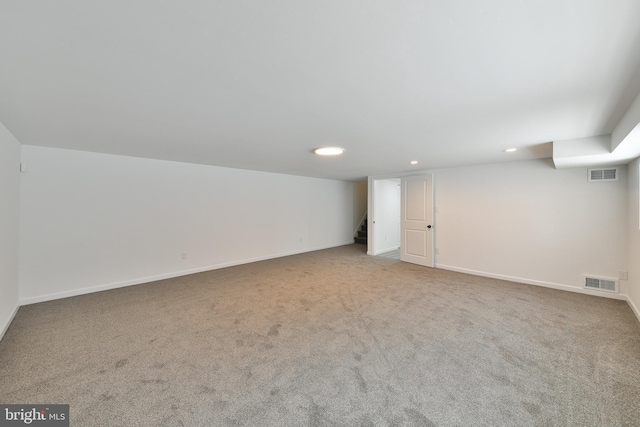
362,233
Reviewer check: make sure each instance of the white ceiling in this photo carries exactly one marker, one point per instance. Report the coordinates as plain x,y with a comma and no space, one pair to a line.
257,85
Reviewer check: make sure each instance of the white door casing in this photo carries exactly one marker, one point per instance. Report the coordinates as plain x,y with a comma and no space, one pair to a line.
417,220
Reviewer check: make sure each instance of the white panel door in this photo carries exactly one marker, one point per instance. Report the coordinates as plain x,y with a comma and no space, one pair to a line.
417,220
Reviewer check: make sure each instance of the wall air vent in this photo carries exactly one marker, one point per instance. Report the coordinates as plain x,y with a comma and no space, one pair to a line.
601,284
606,174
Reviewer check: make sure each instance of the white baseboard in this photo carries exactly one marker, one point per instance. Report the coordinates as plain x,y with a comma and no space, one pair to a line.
634,307
551,285
386,250
5,327
141,280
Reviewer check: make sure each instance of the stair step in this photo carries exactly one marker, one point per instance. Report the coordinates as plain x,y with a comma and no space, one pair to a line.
362,240
362,233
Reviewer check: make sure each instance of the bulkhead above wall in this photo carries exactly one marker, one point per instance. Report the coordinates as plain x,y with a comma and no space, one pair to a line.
619,147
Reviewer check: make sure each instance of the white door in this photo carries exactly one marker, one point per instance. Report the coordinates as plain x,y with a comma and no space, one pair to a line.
417,220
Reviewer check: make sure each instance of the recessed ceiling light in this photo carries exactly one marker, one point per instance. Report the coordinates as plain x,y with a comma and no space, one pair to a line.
414,162
510,150
329,151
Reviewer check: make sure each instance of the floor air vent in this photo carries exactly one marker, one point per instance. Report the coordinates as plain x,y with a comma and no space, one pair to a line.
601,284
607,174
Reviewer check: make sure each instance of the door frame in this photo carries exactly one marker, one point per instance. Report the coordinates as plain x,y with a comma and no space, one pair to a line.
371,215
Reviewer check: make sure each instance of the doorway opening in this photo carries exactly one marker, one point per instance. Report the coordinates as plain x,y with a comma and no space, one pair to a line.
401,218
385,223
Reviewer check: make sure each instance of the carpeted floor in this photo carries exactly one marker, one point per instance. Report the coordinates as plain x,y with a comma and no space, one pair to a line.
328,338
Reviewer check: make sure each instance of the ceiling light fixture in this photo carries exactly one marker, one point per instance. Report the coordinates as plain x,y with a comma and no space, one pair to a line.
510,150
414,162
329,151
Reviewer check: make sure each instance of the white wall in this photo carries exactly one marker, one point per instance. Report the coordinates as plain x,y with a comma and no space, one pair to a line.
528,222
9,226
387,216
93,221
634,236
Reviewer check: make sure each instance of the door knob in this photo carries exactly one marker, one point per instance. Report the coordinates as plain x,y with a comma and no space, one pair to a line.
429,226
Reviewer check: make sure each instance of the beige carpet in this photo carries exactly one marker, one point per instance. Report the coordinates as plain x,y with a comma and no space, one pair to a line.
328,338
